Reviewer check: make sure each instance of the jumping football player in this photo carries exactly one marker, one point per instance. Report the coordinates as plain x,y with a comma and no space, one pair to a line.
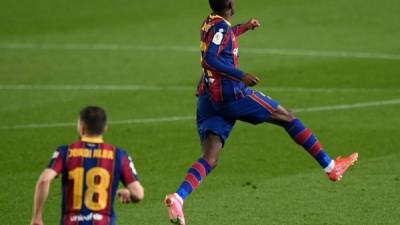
91,171
224,98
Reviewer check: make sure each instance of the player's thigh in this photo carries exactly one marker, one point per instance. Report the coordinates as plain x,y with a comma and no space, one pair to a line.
209,121
255,108
215,125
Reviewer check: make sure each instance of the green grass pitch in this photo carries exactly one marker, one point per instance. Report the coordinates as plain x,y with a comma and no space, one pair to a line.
332,53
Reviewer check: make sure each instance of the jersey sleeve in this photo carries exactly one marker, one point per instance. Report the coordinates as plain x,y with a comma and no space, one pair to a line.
128,170
240,29
57,160
212,57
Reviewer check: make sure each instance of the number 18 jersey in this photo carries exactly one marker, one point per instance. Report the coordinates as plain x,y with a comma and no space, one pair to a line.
91,171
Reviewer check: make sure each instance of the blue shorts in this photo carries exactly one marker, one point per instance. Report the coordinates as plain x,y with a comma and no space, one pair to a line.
219,119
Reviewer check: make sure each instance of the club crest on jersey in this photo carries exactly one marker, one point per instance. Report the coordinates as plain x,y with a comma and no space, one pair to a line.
218,37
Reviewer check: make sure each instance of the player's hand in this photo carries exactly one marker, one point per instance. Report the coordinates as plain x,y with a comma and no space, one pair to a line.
250,80
36,221
253,24
124,195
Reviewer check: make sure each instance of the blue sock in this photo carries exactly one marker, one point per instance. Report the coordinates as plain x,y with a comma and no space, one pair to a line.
195,175
304,137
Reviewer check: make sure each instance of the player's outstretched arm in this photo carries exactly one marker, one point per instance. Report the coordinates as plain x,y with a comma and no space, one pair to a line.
41,193
243,28
134,192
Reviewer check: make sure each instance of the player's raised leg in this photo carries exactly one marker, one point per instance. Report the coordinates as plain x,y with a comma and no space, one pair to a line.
304,137
211,147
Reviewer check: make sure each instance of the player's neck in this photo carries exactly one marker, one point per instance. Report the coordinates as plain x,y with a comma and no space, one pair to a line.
92,138
223,15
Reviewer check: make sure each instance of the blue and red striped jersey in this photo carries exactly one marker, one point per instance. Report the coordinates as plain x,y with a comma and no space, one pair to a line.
91,171
221,78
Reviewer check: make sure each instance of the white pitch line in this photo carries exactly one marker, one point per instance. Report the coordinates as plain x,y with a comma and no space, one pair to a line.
187,118
349,106
153,120
328,90
262,51
98,47
52,87
315,53
117,122
55,87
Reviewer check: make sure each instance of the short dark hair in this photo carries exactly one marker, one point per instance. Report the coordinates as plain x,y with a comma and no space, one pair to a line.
94,118
219,5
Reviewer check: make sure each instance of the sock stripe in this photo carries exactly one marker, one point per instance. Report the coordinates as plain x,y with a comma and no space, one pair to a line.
206,165
303,136
185,188
310,142
294,128
195,173
290,129
200,169
192,180
316,148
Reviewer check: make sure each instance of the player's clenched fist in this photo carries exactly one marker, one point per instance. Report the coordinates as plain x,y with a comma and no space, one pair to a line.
253,24
250,80
124,195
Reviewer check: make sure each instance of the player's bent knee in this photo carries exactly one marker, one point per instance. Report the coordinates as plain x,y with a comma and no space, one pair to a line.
212,138
284,115
212,159
291,116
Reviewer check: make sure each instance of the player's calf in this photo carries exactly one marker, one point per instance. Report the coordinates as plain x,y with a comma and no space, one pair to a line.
211,148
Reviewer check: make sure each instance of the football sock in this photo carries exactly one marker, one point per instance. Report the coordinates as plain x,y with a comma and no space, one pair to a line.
195,175
304,137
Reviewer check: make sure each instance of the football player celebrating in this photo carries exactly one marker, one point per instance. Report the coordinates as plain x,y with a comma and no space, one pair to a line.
91,171
224,97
